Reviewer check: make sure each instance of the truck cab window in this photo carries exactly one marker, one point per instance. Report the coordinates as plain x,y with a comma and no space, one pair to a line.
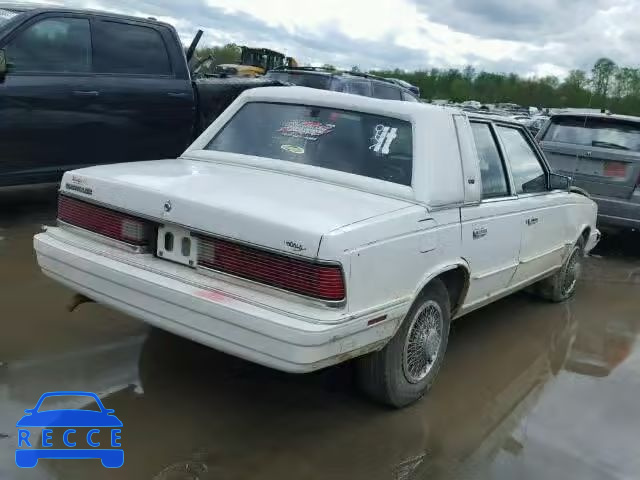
494,179
61,45
528,174
129,49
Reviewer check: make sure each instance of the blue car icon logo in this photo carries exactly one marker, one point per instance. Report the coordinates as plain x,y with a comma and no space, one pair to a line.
29,452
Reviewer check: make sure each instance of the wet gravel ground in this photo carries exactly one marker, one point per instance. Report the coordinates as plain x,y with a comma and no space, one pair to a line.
528,390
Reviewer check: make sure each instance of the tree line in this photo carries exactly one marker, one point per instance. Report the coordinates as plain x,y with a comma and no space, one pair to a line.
609,86
606,86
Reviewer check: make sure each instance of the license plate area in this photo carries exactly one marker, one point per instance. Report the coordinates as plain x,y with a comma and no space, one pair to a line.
176,244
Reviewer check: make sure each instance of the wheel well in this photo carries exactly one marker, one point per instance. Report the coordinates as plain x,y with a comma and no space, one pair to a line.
457,283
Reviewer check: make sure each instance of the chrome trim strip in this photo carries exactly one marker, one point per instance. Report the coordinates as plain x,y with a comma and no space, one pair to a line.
490,273
468,308
543,254
103,239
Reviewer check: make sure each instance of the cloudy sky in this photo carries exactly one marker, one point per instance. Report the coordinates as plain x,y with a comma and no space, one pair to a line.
530,37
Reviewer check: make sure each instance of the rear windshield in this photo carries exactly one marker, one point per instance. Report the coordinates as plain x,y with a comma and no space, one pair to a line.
353,142
595,132
302,79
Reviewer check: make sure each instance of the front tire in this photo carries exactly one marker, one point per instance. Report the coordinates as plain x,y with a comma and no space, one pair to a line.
562,285
404,370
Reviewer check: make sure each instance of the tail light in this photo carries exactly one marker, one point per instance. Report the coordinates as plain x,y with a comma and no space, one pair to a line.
615,169
103,221
324,282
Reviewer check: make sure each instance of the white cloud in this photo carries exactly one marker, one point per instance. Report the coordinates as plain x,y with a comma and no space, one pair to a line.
541,37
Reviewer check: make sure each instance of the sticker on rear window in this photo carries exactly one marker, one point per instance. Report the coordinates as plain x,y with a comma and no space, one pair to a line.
383,137
292,149
309,130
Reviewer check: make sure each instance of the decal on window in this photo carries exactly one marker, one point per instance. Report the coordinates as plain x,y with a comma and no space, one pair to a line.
309,130
383,137
292,149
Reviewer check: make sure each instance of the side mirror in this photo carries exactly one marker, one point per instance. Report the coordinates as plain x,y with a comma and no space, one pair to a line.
559,182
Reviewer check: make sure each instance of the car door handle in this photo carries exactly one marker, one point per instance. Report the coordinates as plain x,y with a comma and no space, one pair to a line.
479,232
86,93
177,94
532,221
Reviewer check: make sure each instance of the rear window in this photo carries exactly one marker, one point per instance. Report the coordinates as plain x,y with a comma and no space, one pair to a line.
386,92
302,79
595,132
363,144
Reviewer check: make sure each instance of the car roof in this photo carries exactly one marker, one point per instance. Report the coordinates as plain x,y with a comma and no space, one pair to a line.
35,8
347,101
597,115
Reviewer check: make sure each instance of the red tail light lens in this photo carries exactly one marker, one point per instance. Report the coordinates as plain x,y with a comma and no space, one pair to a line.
615,169
103,221
324,282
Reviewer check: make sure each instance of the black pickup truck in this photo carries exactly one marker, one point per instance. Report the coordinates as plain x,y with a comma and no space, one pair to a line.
79,88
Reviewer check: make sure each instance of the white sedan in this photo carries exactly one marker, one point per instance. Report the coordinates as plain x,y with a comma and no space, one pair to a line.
305,228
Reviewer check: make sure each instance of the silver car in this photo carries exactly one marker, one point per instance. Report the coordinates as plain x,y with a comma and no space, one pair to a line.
601,152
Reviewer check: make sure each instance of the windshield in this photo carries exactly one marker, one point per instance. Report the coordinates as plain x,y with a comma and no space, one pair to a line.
353,142
595,132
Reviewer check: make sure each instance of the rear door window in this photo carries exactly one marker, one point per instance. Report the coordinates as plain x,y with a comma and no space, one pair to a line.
595,132
359,143
386,92
124,48
492,171
60,45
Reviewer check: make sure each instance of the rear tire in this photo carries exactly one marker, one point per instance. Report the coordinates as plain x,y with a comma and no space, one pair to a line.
404,370
562,285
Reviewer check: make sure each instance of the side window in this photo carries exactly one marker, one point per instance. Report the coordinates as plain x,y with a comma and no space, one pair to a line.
60,45
386,92
128,49
528,174
358,88
492,172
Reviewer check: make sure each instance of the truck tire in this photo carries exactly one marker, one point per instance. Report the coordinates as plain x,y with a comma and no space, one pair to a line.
404,370
562,285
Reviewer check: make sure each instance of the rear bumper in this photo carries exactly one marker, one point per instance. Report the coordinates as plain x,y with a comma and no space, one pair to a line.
618,212
213,313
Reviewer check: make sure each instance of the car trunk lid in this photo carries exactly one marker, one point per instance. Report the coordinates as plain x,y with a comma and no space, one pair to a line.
264,208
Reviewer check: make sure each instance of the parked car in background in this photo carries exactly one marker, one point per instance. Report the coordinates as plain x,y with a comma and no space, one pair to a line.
346,82
79,87
305,228
536,123
601,152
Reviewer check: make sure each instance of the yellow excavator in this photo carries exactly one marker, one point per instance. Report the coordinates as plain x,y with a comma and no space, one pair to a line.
255,62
